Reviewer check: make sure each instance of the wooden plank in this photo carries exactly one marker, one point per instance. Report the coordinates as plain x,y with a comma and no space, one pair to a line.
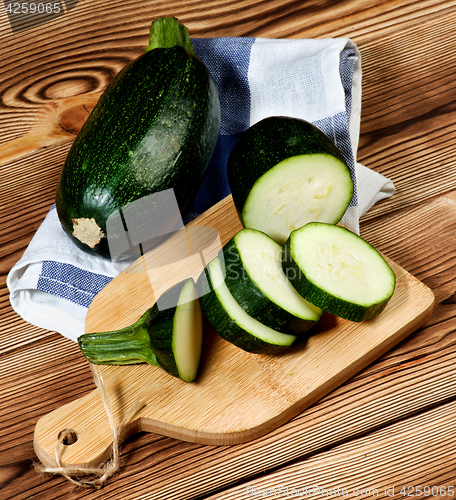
419,374
358,469
56,123
408,115
163,467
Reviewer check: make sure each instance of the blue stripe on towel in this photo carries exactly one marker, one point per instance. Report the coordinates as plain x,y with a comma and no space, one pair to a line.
336,128
71,283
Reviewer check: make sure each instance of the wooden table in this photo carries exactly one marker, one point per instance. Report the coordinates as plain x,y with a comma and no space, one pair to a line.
387,431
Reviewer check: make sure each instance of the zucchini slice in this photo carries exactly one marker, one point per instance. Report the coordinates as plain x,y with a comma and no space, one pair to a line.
176,331
284,172
233,323
255,278
338,271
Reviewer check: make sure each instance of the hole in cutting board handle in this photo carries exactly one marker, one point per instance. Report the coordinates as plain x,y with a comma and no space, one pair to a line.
68,437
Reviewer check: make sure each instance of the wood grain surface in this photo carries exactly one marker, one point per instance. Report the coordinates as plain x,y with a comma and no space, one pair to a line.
390,425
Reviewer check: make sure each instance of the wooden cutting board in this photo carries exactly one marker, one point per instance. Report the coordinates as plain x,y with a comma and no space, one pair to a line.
238,396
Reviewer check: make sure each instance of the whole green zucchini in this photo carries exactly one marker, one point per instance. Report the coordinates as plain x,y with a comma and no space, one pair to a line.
153,129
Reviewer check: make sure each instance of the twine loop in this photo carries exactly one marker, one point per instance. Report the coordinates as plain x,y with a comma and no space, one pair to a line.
91,477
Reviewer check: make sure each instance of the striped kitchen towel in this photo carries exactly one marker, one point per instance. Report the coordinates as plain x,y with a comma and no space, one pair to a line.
54,282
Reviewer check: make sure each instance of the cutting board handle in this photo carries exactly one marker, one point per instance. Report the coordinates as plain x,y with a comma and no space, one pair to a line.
79,426
87,428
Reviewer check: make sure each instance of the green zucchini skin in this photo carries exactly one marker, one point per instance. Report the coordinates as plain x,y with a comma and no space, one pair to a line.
163,330
154,128
127,346
161,340
151,339
267,143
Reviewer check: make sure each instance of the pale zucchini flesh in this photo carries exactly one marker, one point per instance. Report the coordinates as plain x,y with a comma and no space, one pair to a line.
176,332
232,322
338,271
298,190
188,333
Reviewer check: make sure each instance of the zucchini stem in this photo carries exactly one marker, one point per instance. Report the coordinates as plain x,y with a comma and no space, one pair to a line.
167,32
121,347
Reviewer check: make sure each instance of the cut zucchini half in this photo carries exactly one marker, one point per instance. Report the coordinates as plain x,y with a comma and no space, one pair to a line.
233,323
298,190
285,172
255,278
338,271
168,335
176,331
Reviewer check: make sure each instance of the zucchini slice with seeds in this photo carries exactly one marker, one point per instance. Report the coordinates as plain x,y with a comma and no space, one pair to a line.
255,278
233,323
285,172
338,271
